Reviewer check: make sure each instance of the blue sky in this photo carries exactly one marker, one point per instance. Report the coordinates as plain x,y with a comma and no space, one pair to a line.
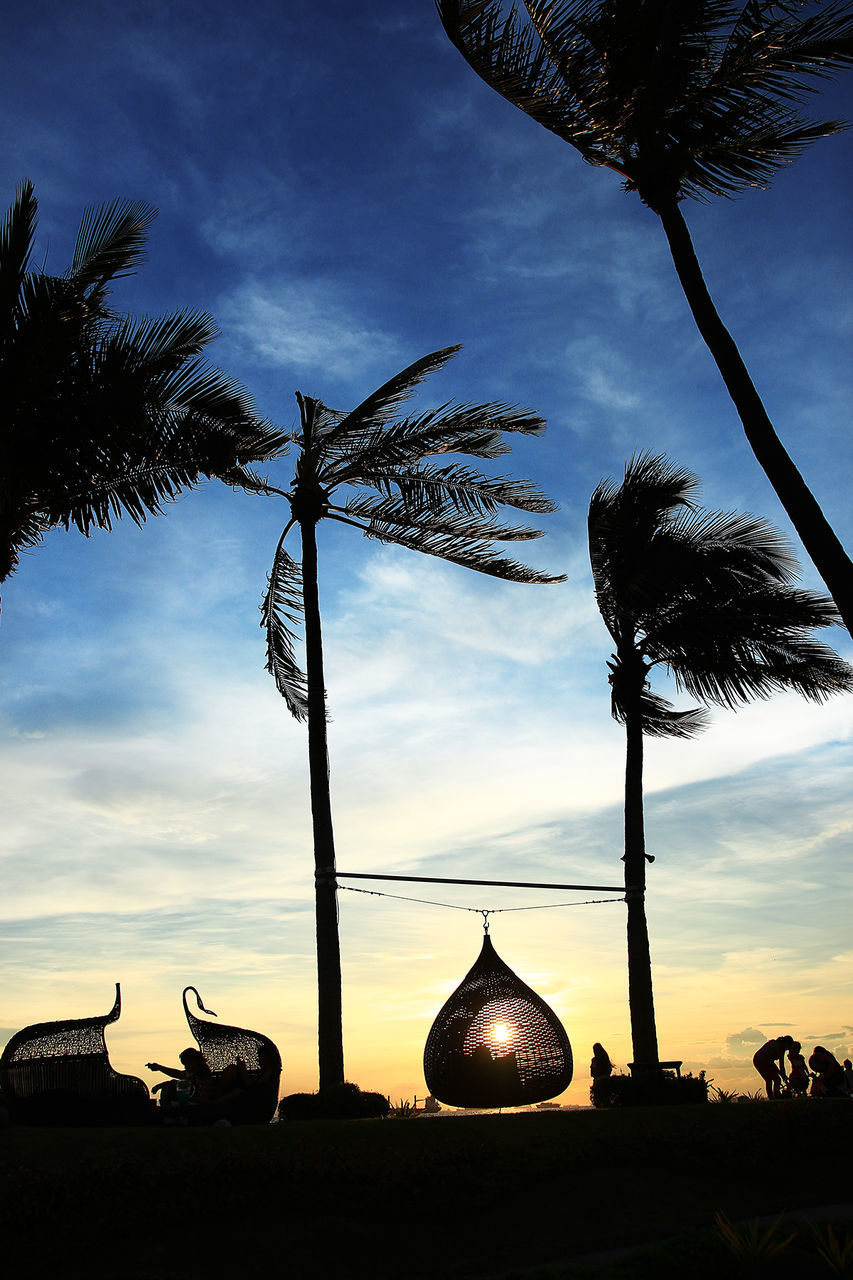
343,194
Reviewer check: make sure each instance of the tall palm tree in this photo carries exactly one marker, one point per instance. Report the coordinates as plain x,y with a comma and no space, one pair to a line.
706,596
680,98
105,415
398,496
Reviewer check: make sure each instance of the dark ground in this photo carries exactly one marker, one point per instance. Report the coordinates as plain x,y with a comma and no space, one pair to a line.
405,1199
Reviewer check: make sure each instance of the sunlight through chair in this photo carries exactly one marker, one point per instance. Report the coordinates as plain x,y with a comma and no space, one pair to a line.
495,1042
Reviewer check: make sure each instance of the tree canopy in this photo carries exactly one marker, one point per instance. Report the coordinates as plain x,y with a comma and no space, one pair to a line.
105,415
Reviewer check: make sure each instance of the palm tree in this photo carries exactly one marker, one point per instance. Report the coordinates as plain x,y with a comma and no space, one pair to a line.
679,98
708,597
105,415
398,497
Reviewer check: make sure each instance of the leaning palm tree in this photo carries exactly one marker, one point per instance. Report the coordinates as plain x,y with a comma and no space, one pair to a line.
680,98
397,496
708,597
105,415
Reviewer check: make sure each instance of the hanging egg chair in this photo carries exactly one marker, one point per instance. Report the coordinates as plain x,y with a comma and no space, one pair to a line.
222,1045
496,1043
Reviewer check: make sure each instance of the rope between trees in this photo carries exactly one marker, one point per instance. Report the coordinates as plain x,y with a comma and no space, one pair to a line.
492,911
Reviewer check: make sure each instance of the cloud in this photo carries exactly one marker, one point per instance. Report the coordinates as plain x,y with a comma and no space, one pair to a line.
307,327
740,1041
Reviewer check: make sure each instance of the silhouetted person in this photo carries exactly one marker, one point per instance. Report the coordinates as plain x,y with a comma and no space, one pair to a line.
769,1062
829,1079
194,1071
848,1075
210,1094
798,1076
255,1093
600,1068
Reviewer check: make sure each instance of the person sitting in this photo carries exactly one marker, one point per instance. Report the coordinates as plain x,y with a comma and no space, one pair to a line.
829,1079
205,1096
255,1093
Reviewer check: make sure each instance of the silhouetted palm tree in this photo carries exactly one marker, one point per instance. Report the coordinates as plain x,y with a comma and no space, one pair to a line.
446,511
706,596
103,414
679,98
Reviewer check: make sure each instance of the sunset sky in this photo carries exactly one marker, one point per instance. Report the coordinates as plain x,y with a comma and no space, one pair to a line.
341,192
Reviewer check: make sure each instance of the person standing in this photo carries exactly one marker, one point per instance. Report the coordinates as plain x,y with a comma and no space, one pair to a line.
769,1062
798,1076
601,1069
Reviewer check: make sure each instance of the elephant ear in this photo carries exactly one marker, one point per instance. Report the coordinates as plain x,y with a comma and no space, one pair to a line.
282,617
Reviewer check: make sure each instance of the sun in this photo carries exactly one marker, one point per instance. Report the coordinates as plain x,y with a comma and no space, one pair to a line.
501,1032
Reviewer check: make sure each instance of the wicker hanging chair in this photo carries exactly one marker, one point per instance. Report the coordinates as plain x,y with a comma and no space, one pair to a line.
496,1043
222,1046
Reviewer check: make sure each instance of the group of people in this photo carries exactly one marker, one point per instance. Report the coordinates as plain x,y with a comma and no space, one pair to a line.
822,1077
197,1095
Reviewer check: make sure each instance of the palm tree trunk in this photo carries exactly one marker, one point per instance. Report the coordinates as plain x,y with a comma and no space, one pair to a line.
817,535
330,1019
640,996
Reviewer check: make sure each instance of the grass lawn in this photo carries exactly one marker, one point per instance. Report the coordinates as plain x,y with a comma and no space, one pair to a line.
467,1196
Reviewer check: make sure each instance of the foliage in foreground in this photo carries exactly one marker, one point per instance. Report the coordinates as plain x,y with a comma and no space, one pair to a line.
105,415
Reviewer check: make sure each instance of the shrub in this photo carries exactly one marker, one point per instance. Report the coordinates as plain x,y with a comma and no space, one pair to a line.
342,1102
664,1090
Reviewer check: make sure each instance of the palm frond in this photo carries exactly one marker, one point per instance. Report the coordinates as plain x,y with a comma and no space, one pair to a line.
623,523
247,479
746,548
317,422
161,342
282,612
692,99
145,364
527,67
402,443
381,512
747,154
659,717
752,672
761,642
17,233
769,48
110,242
381,404
458,550
123,487
432,488
475,430
709,595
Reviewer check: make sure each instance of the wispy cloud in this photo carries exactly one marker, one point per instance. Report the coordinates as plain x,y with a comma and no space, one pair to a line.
306,327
